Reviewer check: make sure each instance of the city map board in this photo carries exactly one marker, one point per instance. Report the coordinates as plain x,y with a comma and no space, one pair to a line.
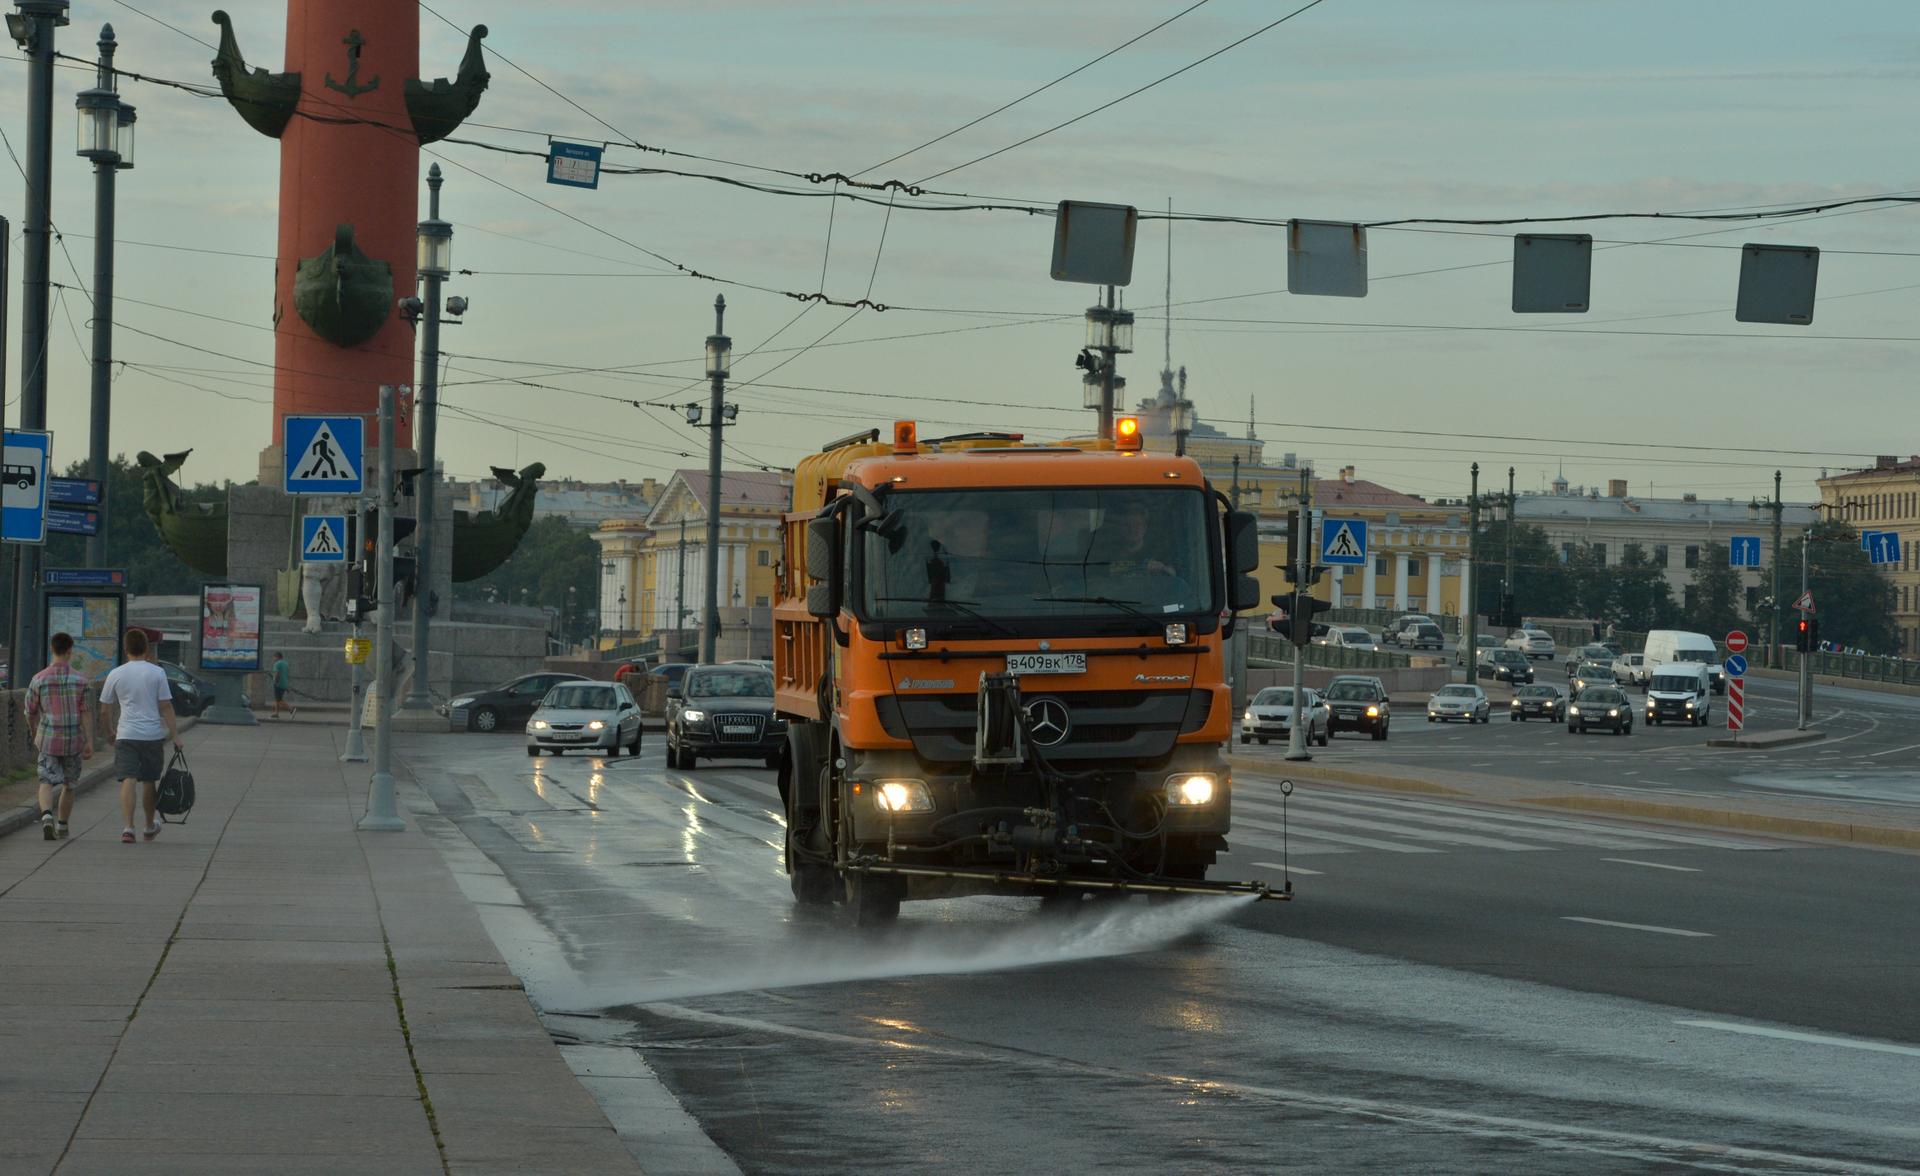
96,622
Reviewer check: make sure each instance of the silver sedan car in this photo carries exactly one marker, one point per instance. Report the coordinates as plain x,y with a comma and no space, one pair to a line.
1270,716
1459,702
597,716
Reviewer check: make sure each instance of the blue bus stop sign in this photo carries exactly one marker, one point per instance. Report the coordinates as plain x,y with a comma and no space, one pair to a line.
23,486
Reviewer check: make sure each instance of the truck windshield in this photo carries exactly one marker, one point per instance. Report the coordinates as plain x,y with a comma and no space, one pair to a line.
1094,551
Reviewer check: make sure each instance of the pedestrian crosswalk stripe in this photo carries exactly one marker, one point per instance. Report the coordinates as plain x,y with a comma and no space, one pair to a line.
1314,819
1601,837
1296,831
1632,832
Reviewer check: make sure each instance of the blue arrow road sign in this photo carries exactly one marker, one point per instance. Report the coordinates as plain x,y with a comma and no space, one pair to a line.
1743,551
325,454
323,539
1885,548
1735,665
1343,542
23,486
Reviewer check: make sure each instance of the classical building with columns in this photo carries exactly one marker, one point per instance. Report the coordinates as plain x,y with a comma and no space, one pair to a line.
653,567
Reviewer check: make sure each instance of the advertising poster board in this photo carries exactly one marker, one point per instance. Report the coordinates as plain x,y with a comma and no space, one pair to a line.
230,616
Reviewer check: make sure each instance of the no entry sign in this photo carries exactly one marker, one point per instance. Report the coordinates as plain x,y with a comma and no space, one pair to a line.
1737,641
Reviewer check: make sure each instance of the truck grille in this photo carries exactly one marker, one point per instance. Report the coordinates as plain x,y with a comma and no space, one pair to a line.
1106,725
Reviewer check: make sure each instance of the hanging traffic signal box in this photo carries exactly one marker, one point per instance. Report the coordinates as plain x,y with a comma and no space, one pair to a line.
1305,607
1806,635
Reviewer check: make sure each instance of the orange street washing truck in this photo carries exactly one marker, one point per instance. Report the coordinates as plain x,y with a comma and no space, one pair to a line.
1002,669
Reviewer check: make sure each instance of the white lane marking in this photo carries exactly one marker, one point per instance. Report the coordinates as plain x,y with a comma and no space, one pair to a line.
1545,1134
1308,821
1640,927
1895,750
1600,838
1284,869
1625,830
1652,865
1814,1038
1342,838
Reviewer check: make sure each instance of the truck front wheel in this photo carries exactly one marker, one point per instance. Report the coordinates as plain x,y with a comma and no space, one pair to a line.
873,900
811,881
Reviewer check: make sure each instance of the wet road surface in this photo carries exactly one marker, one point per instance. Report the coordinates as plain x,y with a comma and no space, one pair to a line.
1457,988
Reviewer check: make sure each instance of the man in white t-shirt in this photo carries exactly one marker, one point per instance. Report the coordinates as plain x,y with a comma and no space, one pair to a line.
146,724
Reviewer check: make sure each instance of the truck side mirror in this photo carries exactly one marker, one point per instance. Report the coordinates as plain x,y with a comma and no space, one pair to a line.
1243,556
823,566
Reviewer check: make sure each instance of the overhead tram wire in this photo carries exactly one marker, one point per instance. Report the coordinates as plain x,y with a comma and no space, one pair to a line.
1138,37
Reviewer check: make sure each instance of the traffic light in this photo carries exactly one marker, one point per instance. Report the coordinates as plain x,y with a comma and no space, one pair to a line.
1806,635
1509,617
1297,625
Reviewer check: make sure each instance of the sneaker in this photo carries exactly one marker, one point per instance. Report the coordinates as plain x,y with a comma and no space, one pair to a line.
126,834
152,831
60,830
46,825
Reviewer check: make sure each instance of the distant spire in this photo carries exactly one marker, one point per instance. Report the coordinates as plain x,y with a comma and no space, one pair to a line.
1250,436
1167,395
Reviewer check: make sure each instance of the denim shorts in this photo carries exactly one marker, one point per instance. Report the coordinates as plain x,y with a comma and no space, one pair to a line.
60,770
139,759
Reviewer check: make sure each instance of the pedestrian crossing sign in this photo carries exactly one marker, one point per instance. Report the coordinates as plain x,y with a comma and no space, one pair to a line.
1343,542
325,454
323,539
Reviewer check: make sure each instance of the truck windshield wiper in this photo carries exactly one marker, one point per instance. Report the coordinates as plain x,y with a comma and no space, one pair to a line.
1130,606
964,606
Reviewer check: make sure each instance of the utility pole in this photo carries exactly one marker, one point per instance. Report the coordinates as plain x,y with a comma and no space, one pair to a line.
719,355
1470,639
1109,332
356,749
1237,650
1302,564
1806,657
1773,614
105,124
382,814
1506,583
33,30
680,592
435,261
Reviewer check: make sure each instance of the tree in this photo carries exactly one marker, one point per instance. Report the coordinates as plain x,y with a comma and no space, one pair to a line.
1853,601
1591,582
1642,598
552,557
1541,586
133,542
1717,593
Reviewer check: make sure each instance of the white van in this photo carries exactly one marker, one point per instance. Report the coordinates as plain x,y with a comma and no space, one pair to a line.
1678,645
1678,693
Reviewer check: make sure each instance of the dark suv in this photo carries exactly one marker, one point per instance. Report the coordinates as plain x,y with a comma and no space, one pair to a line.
1506,665
724,712
1357,704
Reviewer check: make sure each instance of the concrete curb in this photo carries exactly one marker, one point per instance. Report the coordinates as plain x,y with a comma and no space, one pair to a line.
1882,835
16,819
1769,739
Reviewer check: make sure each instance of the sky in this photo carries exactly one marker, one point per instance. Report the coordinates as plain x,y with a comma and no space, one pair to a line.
1356,110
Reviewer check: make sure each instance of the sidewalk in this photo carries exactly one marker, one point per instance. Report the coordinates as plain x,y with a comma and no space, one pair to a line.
266,990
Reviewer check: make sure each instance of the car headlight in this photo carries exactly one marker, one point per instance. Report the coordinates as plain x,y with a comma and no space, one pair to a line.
903,796
597,725
1689,704
1373,712
1613,714
1573,710
459,702
693,716
1190,790
539,724
1248,717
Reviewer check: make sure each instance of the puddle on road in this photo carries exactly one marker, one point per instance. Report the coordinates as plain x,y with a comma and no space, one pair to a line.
957,941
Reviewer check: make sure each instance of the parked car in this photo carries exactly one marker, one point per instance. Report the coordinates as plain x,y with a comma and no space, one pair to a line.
1589,653
1357,703
506,706
661,681
1590,674
1680,692
191,692
1678,645
1537,702
1532,642
599,716
1505,665
1481,641
723,711
1600,706
1459,702
1270,716
1630,669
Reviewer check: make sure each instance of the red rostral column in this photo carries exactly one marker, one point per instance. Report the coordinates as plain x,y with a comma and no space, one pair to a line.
350,114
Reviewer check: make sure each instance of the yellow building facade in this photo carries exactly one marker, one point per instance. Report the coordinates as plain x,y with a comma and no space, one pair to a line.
1885,498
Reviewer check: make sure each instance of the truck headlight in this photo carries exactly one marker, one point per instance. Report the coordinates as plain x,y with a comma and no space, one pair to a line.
903,796
1190,790
916,638
1689,704
693,716
1177,633
597,725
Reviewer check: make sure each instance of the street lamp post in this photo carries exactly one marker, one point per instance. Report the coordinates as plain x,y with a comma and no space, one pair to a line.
719,415
1182,419
1110,332
1470,647
434,263
32,28
105,130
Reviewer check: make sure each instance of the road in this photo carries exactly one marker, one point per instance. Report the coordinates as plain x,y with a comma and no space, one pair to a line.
1456,987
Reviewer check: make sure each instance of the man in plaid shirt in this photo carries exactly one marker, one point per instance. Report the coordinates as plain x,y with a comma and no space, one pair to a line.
62,731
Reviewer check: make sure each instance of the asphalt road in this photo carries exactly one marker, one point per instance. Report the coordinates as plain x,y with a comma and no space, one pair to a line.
1871,753
1455,988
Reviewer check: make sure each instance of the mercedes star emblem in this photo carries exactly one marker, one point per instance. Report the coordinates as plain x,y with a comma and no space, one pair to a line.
1047,721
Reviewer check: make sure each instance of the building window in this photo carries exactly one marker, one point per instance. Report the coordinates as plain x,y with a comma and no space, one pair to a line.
1660,555
1693,560
762,602
1689,597
1566,552
1381,567
1600,554
763,557
1413,565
